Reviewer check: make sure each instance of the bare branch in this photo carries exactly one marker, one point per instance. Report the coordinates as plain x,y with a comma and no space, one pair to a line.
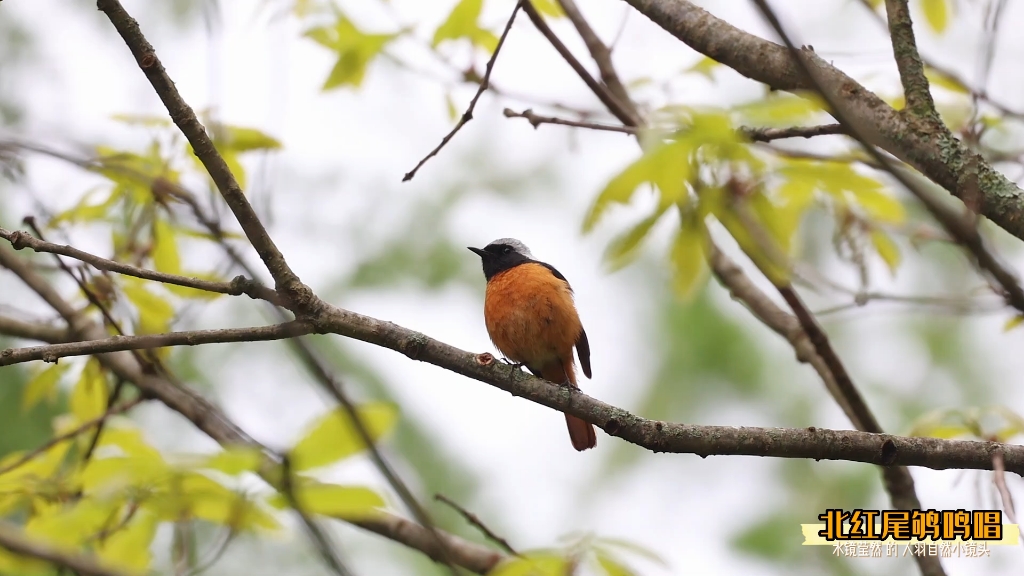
617,108
468,114
479,524
287,283
536,120
769,134
31,330
13,539
52,352
603,57
84,427
908,61
236,287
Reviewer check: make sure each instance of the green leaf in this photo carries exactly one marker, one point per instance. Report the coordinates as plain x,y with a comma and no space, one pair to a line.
242,139
688,257
342,502
85,212
128,548
879,205
90,394
462,23
611,566
43,385
936,13
624,247
155,313
666,166
334,436
705,67
941,79
780,109
355,50
1013,322
165,248
533,564
234,460
548,8
887,249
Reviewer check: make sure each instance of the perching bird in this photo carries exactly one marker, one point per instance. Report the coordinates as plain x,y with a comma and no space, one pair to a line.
531,318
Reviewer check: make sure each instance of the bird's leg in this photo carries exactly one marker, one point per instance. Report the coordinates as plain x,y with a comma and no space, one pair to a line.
516,367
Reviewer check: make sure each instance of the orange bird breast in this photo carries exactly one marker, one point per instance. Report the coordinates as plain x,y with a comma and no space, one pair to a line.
531,317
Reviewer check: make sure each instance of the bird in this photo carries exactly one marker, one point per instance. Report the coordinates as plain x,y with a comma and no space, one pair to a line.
532,320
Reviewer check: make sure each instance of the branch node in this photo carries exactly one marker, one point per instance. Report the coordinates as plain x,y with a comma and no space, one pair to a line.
413,345
889,452
612,427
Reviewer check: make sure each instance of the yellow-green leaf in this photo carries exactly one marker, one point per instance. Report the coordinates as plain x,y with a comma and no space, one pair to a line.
936,13
195,495
234,460
165,248
242,139
705,67
355,50
887,249
548,8
43,385
624,247
343,502
155,313
611,565
462,22
1013,322
780,109
128,548
667,166
879,205
533,564
941,79
334,436
688,257
90,394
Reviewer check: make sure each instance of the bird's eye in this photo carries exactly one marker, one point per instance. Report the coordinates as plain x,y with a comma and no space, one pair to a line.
507,250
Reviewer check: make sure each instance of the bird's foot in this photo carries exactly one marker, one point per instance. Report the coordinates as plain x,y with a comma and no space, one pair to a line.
516,367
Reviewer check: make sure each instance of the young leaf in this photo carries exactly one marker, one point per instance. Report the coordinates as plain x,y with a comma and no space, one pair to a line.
548,8
89,396
780,109
610,565
462,23
155,313
705,67
355,49
1013,322
165,248
936,13
343,502
234,460
533,564
667,166
128,548
43,385
623,248
334,436
887,249
688,257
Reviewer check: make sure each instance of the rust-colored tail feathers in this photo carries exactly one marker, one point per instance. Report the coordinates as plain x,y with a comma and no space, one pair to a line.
581,432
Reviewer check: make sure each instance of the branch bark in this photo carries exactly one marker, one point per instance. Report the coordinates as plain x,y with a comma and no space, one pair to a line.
939,156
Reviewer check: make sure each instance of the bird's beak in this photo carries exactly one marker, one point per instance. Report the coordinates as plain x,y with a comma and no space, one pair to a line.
477,251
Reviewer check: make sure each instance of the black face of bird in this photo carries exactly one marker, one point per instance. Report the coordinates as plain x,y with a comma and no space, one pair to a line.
501,255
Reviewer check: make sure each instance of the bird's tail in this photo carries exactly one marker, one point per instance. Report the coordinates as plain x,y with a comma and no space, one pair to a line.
581,432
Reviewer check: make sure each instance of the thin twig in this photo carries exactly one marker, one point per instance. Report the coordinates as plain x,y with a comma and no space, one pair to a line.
468,114
236,287
769,134
51,352
617,108
999,479
536,120
478,523
14,540
316,534
84,427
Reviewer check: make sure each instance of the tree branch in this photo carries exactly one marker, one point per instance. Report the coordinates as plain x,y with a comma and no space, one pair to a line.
769,134
468,114
603,57
14,540
286,281
31,330
939,156
908,61
536,120
236,287
52,352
